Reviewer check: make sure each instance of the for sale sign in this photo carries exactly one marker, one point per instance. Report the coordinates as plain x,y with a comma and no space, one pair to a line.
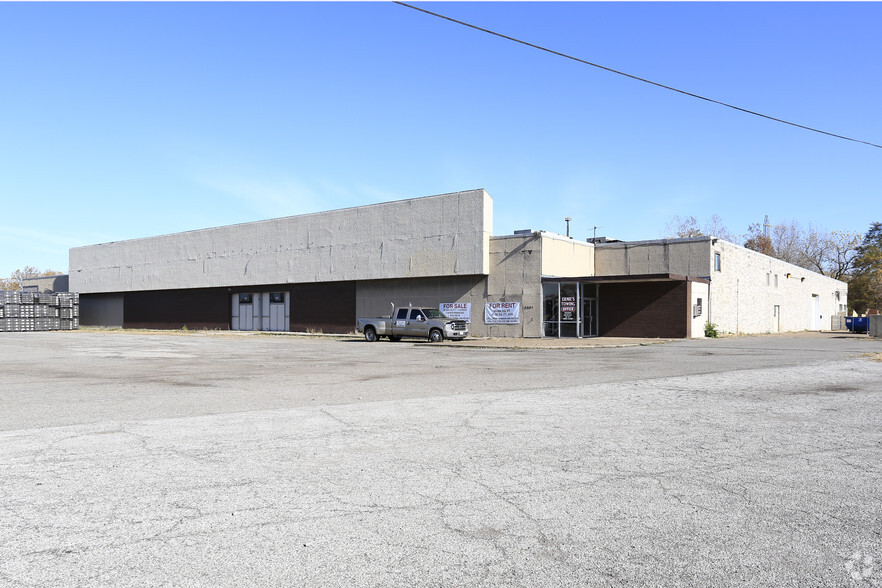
502,313
461,311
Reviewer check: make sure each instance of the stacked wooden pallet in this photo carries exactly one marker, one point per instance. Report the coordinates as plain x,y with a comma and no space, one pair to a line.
34,311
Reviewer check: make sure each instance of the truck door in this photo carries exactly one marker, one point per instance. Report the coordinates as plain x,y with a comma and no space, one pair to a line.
399,323
417,323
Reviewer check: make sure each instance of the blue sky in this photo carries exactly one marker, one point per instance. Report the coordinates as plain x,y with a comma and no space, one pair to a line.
129,120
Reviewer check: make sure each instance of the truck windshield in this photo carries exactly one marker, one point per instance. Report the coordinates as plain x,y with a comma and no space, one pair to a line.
434,313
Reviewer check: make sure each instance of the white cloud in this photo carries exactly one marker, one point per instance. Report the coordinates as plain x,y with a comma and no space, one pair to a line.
266,198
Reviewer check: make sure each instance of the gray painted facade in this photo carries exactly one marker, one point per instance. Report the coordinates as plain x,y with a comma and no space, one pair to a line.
875,325
445,235
46,284
439,249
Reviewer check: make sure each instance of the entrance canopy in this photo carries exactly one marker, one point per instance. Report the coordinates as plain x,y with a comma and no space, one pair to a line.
650,305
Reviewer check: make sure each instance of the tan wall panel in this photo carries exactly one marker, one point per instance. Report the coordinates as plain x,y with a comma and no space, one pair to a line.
563,257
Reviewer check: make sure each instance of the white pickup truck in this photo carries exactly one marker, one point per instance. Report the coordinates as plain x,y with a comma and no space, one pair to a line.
411,321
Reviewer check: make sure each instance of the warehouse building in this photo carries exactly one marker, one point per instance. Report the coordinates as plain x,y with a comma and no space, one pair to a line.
318,272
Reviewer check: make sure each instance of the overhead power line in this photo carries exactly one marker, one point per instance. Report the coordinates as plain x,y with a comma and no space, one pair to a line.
633,77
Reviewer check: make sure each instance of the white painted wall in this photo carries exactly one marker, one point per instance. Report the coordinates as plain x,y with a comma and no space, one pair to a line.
744,293
699,291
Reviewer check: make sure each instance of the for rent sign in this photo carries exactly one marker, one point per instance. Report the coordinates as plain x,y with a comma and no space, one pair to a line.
502,313
461,311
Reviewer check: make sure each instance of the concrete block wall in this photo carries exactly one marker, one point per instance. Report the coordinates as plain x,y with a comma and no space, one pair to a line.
46,284
515,276
444,235
875,325
684,257
376,297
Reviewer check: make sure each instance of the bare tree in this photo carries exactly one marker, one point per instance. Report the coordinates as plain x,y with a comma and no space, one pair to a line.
680,228
757,240
831,253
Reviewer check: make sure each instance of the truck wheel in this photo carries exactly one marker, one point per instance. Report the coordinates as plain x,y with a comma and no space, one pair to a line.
395,338
370,334
435,336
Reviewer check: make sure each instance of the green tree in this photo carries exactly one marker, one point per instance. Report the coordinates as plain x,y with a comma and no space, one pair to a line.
865,287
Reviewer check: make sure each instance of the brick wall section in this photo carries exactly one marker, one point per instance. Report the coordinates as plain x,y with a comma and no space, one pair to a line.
646,309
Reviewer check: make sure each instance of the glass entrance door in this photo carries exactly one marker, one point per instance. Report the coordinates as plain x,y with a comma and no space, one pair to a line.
589,317
589,310
570,319
569,309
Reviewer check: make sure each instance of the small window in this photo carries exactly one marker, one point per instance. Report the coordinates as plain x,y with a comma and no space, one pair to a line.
416,315
768,279
402,314
717,264
245,299
776,280
277,298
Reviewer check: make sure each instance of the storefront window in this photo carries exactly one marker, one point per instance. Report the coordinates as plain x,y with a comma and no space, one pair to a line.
551,308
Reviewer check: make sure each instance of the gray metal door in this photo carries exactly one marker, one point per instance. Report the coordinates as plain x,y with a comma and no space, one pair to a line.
245,308
246,317
277,311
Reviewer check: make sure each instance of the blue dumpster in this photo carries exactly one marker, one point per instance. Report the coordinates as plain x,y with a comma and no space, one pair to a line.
857,324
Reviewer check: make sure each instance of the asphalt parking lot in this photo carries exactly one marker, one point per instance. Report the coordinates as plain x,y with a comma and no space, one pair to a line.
225,460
